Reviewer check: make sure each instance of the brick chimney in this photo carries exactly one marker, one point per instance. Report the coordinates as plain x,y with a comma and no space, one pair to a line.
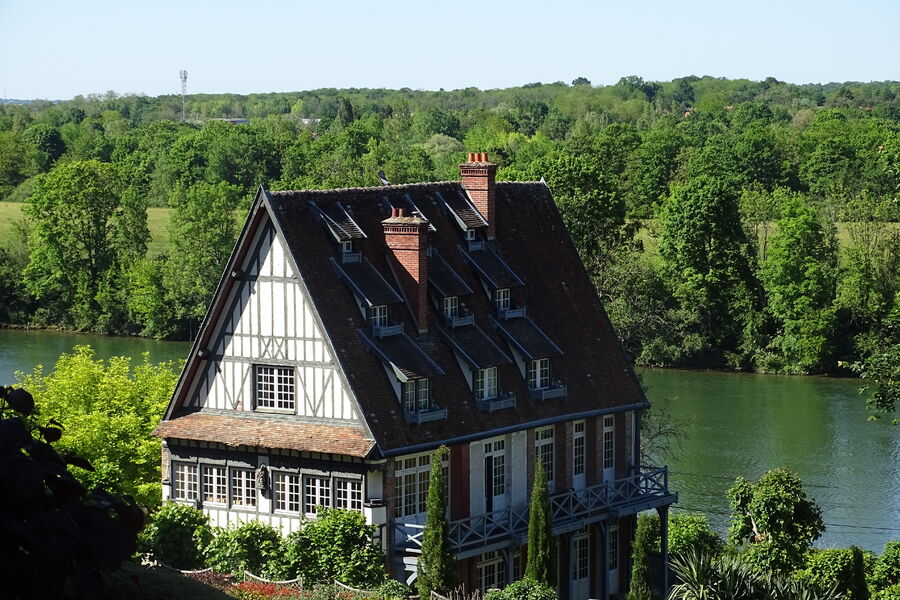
478,177
407,241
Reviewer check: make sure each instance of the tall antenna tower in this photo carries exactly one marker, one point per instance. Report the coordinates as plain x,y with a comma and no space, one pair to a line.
183,75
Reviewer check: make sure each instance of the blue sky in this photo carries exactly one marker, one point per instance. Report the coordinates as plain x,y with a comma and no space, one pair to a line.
58,49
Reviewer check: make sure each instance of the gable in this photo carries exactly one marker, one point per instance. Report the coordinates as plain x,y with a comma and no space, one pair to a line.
267,319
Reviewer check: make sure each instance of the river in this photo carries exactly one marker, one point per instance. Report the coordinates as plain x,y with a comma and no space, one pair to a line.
734,424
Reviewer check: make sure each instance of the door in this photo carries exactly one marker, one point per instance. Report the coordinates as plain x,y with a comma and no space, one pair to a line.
609,448
580,566
578,456
495,484
612,555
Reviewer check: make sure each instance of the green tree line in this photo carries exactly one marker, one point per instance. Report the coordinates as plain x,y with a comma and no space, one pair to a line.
727,223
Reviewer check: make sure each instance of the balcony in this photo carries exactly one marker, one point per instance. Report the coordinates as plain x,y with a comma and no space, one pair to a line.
476,245
460,321
501,401
424,416
383,331
506,314
555,390
569,511
351,257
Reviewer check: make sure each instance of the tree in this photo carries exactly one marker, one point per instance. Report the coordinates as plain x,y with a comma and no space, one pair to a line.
541,565
581,81
882,369
83,231
640,572
110,410
774,519
799,277
436,570
57,539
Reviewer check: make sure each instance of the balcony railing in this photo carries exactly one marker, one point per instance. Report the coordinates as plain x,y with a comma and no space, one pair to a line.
460,320
555,390
569,511
501,401
424,416
383,331
476,245
351,257
511,313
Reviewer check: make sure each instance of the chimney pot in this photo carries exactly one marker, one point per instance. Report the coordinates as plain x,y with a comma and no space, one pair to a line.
472,157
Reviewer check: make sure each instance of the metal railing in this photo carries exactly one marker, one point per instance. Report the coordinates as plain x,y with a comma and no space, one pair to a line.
424,416
555,390
568,510
460,321
351,257
501,401
511,313
382,331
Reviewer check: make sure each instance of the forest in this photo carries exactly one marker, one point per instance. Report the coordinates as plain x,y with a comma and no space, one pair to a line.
736,224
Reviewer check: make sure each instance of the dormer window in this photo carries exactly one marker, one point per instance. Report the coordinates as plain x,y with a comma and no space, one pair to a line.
347,247
378,315
539,373
484,383
502,298
416,395
451,307
470,235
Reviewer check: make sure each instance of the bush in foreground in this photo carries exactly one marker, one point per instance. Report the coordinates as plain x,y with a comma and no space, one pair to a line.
176,536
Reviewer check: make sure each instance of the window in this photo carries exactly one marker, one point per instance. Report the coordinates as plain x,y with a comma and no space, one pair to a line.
608,442
451,307
187,484
539,374
411,477
317,492
543,442
613,551
578,449
378,315
415,395
495,467
214,487
275,387
348,494
243,488
470,234
581,558
347,246
287,492
489,571
484,383
501,298
518,570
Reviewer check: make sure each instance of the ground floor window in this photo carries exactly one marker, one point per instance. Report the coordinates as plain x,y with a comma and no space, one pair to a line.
243,487
613,552
318,493
287,492
187,482
215,489
348,494
489,571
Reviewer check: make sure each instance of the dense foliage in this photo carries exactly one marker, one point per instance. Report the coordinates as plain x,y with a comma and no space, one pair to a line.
683,197
57,538
176,536
525,589
109,409
641,546
541,559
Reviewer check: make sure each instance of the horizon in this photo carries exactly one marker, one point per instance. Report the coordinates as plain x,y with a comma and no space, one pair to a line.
99,45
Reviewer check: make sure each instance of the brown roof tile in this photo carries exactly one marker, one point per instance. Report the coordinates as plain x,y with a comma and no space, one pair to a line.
266,433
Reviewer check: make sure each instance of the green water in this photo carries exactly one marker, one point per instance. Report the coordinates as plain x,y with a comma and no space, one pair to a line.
735,424
742,424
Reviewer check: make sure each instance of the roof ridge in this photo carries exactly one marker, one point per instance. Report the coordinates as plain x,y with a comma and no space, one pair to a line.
365,188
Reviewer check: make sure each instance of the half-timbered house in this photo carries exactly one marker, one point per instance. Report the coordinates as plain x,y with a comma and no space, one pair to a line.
356,330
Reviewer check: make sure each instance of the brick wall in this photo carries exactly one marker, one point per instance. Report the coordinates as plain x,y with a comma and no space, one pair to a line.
478,178
407,241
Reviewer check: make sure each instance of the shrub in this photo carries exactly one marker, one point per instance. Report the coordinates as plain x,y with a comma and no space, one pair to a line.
257,590
640,548
251,546
691,531
886,572
176,536
526,589
393,590
337,545
838,568
891,593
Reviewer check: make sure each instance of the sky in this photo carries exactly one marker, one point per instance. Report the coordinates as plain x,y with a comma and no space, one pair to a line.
57,49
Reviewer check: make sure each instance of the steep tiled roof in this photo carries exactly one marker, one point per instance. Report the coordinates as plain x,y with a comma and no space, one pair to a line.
261,432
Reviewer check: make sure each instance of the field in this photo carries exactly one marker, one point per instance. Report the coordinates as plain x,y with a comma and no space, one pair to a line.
157,219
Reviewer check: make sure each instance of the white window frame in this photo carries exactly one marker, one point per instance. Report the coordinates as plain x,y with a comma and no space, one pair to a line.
496,449
450,306
489,571
539,373
275,387
545,451
316,493
485,384
411,475
470,234
378,315
609,442
416,394
186,481
581,561
578,448
347,246
215,485
612,552
287,492
348,493
502,298
243,488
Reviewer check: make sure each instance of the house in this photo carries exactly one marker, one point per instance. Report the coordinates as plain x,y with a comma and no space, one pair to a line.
356,330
